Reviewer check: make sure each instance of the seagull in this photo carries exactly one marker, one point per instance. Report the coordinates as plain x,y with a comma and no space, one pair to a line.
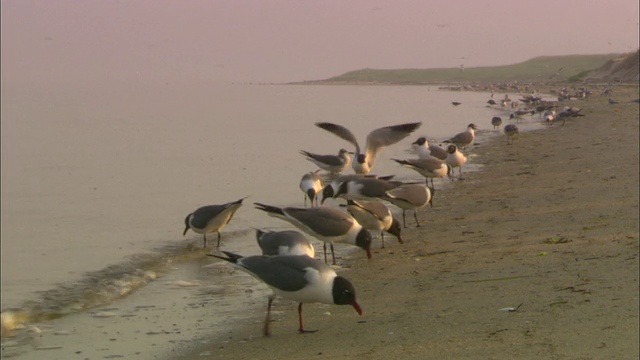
492,102
612,102
375,216
426,150
324,223
511,130
362,188
518,114
287,242
429,167
496,121
568,112
376,140
311,185
211,218
298,278
335,164
455,159
465,138
410,197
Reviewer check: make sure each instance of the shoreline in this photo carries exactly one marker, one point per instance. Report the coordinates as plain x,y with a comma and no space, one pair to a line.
554,238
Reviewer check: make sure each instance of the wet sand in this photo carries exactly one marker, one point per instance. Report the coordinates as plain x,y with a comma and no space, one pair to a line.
535,257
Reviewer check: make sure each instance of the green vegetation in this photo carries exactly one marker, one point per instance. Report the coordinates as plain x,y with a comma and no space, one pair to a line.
543,68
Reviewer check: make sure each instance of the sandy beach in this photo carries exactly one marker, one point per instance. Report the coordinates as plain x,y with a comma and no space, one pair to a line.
534,257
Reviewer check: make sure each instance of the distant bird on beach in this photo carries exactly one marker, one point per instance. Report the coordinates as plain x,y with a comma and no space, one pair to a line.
455,103
410,197
211,218
568,112
324,223
464,139
492,102
518,114
311,185
496,121
428,167
455,159
612,102
375,216
298,278
425,150
335,164
376,140
287,242
358,188
511,130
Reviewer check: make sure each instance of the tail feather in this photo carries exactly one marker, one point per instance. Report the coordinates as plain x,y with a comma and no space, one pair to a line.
232,258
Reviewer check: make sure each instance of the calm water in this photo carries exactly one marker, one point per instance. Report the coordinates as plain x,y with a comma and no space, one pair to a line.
96,182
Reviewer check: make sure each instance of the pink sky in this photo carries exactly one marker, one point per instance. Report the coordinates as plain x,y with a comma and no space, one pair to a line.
286,40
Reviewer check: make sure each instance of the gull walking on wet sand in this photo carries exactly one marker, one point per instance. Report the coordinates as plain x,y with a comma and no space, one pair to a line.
465,138
211,218
410,197
298,278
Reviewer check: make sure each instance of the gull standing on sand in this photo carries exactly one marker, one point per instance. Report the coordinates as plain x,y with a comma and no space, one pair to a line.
359,188
287,242
465,138
425,150
311,185
428,167
410,197
335,164
211,218
376,140
324,223
455,159
511,131
496,121
298,278
375,216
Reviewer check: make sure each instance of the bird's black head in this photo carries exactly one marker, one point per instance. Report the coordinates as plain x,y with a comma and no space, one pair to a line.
363,241
327,192
473,126
395,230
361,158
311,193
420,141
344,293
186,224
451,149
342,189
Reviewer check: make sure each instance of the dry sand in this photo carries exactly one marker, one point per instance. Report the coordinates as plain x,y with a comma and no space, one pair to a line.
549,228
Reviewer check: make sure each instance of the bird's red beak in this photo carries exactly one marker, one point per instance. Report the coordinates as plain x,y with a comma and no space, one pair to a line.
356,306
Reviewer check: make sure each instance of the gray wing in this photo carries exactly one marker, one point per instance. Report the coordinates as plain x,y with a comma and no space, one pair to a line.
462,138
332,160
285,272
341,132
386,136
271,241
322,220
203,215
375,208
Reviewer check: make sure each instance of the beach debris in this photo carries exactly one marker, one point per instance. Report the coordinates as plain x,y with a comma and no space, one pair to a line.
556,240
511,309
185,283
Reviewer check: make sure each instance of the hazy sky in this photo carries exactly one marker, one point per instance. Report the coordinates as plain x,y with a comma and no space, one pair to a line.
287,40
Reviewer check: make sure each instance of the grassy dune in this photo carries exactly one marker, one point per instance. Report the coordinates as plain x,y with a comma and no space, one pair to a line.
543,68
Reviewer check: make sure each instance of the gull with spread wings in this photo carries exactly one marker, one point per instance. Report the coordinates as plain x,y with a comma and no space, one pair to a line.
377,139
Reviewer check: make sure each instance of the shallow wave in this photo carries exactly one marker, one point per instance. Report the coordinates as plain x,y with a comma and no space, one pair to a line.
102,287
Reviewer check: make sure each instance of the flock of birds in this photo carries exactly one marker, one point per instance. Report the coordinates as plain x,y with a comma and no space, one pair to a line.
288,264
